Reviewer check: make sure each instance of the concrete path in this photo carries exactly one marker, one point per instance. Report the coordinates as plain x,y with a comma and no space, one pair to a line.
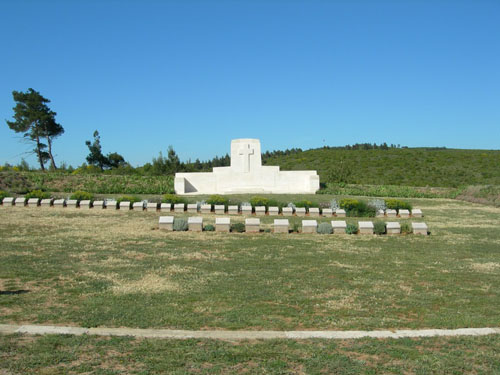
241,335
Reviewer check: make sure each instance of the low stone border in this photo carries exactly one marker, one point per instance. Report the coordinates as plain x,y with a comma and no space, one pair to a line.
180,334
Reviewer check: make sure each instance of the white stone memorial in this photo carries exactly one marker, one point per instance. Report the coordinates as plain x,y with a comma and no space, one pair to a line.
327,212
404,213
232,210
98,204
8,201
314,211
287,211
365,227
151,206
219,209
33,202
46,202
59,203
179,207
222,224
206,208
281,225
192,208
340,212
380,213
111,204
195,223
166,223
246,210
391,213
72,203
274,211
85,204
247,175
339,226
260,210
138,206
419,228
166,207
417,212
300,211
20,201
125,205
252,225
309,226
393,227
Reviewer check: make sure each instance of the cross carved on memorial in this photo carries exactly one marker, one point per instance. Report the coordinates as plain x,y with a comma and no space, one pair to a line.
246,151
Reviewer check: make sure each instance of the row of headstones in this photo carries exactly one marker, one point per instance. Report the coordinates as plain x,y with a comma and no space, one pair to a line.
252,225
193,207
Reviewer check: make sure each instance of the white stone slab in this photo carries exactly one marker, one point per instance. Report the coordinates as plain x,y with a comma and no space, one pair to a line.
340,212
111,204
98,204
246,210
47,202
59,203
20,201
327,212
309,226
138,206
165,207
219,209
8,201
192,207
222,224
152,206
246,174
273,210
339,226
365,227
195,223
33,202
380,213
72,203
313,211
391,213
232,210
166,223
281,225
260,210
252,225
393,227
125,205
404,213
85,204
287,211
206,208
416,212
420,228
179,207
300,211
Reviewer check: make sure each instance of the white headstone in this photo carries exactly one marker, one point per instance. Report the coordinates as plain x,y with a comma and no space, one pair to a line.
420,228
260,210
273,211
152,206
8,201
340,212
222,224
252,225
166,223
166,207
195,223
339,226
98,204
393,227
219,209
404,213
365,227
20,201
232,210
281,225
416,212
287,211
192,207
309,226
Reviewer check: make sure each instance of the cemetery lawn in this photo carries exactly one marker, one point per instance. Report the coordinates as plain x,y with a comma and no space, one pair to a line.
109,268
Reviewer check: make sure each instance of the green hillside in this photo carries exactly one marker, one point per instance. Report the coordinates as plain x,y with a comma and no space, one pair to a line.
397,166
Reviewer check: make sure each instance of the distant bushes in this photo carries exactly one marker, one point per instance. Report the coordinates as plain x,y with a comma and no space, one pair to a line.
217,200
3,194
82,195
238,227
262,201
128,198
37,194
305,203
357,208
174,199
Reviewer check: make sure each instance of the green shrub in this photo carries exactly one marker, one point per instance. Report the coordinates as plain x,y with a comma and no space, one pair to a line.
405,228
80,195
325,228
180,224
397,204
295,227
209,228
351,229
259,201
362,210
3,194
379,227
305,203
172,198
275,203
349,204
217,200
238,227
37,194
267,230
128,198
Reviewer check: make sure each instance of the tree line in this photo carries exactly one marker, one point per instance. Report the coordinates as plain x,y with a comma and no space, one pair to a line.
36,122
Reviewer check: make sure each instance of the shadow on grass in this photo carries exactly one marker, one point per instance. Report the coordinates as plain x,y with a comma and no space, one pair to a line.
12,292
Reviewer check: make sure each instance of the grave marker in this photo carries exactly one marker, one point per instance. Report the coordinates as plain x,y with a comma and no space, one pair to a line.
309,226
365,227
195,224
166,223
281,226
252,225
339,226
222,224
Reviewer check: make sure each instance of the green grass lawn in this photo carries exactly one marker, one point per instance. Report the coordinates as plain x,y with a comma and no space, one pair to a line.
110,268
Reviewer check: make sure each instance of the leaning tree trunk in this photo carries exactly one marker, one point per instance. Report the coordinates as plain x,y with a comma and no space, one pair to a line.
52,162
39,153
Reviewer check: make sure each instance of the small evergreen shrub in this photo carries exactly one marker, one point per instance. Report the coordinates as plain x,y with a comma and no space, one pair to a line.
334,204
357,208
238,227
379,204
405,228
397,204
209,228
128,198
80,195
3,194
379,227
295,227
180,225
325,228
37,194
305,203
217,200
275,203
351,229
349,204
172,198
267,230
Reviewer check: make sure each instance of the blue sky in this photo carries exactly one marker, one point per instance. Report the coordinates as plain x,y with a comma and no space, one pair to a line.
196,74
